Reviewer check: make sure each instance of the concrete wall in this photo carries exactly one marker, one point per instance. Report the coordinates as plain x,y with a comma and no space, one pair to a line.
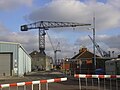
41,62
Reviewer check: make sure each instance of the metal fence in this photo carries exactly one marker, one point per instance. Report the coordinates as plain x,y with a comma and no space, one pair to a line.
31,83
98,82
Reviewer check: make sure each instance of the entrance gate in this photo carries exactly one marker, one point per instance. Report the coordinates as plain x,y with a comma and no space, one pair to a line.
100,80
32,83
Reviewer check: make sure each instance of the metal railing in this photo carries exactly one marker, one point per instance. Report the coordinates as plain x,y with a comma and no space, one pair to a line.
104,82
32,83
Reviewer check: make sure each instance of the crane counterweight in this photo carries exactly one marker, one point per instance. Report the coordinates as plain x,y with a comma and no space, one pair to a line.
24,28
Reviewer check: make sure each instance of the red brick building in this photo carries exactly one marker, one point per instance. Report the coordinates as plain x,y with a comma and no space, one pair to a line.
83,62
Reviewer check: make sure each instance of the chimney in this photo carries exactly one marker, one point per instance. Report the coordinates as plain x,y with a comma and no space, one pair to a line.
113,54
109,53
82,50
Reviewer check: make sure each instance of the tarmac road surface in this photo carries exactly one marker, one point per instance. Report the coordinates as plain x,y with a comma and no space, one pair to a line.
70,84
66,85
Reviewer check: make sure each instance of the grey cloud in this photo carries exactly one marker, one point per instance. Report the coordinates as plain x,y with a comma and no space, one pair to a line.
64,46
77,11
24,38
83,41
113,41
60,10
29,41
106,42
13,4
114,3
65,10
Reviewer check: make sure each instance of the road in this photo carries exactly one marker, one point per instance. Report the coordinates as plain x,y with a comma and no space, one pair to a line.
70,84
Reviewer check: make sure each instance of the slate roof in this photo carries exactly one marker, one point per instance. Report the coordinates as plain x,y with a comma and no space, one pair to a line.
36,54
84,54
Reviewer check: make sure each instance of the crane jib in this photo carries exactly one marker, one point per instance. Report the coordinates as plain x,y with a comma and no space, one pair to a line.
45,25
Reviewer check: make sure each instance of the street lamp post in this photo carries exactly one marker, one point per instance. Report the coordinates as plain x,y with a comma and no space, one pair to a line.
94,42
94,56
94,47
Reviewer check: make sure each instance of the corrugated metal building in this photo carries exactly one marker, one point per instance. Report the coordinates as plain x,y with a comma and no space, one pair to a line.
14,60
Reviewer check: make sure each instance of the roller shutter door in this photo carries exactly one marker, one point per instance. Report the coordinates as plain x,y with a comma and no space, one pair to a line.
5,64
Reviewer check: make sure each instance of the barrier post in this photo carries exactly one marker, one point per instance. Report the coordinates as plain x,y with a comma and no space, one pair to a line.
98,83
110,77
79,84
46,86
116,84
92,83
104,85
17,87
32,86
86,82
110,84
24,87
39,86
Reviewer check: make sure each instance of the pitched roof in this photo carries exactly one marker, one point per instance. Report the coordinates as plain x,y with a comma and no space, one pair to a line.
84,54
37,54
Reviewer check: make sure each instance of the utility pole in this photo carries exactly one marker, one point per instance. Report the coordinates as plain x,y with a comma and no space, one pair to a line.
94,41
93,32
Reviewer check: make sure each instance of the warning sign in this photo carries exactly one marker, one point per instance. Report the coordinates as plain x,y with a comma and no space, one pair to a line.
88,61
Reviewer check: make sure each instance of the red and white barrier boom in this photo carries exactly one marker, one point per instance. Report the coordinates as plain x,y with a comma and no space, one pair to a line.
95,76
104,77
32,83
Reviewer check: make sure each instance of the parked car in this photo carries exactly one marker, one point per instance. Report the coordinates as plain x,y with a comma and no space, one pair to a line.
100,71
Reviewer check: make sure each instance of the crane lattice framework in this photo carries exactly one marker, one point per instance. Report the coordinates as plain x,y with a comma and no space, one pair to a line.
45,25
102,52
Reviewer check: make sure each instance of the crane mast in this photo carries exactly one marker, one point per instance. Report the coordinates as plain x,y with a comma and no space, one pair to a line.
54,49
55,53
45,25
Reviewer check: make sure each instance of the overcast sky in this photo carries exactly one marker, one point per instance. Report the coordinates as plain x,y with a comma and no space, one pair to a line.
14,13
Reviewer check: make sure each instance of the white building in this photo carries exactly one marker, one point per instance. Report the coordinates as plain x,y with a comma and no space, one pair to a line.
14,60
